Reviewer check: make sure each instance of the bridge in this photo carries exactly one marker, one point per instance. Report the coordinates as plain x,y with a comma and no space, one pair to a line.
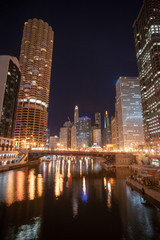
112,157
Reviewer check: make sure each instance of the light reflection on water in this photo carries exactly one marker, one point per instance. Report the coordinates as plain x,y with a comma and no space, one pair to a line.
37,202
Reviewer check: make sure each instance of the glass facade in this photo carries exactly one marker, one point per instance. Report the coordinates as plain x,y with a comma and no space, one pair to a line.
147,42
65,134
10,76
106,133
129,112
98,119
83,133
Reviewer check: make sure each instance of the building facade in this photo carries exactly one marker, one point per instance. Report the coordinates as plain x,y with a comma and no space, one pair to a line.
53,142
65,135
10,76
76,114
73,129
35,63
106,132
147,42
114,130
83,132
73,137
129,112
96,136
98,119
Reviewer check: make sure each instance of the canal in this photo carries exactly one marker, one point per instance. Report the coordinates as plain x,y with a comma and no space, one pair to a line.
73,198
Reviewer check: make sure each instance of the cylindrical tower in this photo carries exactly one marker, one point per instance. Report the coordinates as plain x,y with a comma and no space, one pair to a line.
35,63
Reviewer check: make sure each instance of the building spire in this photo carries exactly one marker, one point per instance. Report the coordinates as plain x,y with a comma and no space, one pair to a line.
76,114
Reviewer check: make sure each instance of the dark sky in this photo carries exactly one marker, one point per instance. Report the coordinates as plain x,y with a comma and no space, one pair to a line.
93,46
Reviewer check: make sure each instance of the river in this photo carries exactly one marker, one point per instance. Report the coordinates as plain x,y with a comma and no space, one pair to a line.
73,198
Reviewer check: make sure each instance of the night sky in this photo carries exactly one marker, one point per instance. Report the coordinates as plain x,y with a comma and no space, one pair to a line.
93,47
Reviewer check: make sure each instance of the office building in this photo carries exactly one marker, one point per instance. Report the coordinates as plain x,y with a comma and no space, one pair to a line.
76,114
73,129
129,112
35,63
106,132
96,136
73,137
53,142
83,132
98,119
10,76
65,135
114,130
147,42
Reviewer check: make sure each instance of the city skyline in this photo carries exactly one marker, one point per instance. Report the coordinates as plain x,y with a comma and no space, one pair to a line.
82,52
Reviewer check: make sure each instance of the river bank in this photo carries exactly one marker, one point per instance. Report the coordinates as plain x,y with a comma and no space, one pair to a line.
18,165
151,193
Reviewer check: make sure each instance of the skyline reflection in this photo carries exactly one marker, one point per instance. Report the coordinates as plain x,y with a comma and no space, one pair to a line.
36,200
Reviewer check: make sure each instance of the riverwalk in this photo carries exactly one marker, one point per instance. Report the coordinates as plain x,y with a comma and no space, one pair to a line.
149,192
18,165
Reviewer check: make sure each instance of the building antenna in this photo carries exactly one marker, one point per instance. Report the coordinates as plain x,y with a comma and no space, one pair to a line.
69,119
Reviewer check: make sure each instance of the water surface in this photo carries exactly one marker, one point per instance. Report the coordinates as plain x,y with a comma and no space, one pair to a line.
73,198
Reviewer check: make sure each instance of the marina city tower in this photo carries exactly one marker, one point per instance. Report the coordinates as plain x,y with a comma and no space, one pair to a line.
35,63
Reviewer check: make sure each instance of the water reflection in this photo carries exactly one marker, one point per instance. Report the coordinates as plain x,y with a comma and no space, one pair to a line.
20,179
39,185
10,188
74,194
31,185
84,191
108,186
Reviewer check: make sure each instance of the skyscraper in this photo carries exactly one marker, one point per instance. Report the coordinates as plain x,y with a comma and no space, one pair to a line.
76,114
147,41
98,119
65,135
10,76
73,130
96,136
106,133
35,63
106,119
114,130
129,112
53,142
83,132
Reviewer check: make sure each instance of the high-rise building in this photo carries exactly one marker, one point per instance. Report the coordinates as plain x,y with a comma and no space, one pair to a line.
73,137
96,136
147,42
129,112
98,119
83,132
73,130
35,62
114,130
47,138
106,133
76,115
10,76
65,135
53,142
106,120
